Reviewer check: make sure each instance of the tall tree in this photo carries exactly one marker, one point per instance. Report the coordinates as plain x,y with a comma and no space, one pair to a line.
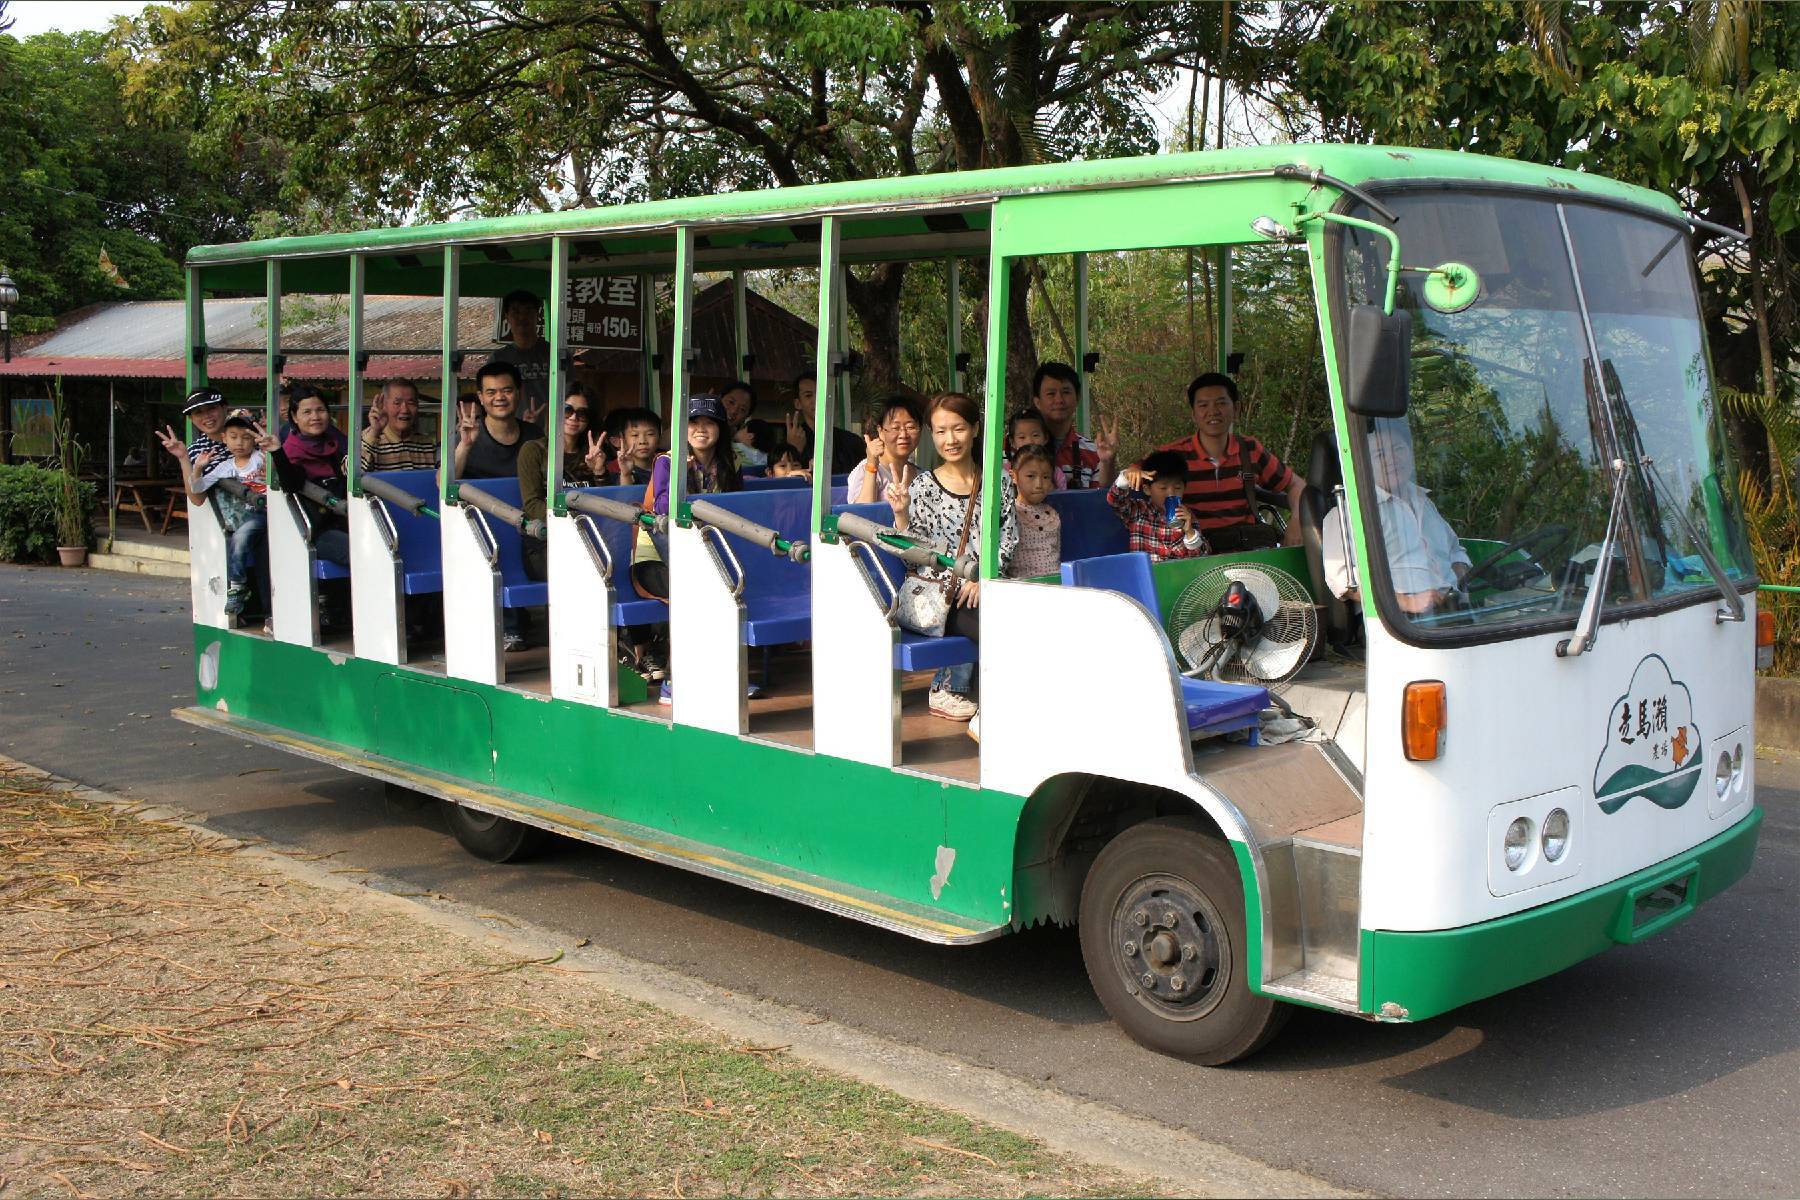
435,108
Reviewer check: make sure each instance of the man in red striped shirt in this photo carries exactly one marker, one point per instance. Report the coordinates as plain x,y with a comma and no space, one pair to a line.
1218,460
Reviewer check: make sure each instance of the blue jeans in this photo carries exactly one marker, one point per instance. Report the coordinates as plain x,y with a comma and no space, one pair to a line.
244,551
959,679
333,545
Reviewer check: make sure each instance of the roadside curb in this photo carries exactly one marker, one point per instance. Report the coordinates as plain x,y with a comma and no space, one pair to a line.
1778,713
1064,1123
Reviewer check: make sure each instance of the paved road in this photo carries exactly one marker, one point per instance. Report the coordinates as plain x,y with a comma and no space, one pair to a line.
1668,1069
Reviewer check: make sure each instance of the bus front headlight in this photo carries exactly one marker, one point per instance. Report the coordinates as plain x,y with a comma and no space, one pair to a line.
1722,774
1518,842
1555,840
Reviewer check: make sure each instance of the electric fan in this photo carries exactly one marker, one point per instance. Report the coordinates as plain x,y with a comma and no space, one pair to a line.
1244,623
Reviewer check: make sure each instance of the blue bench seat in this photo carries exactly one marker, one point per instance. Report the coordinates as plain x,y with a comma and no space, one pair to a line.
628,608
915,651
1211,707
420,546
777,592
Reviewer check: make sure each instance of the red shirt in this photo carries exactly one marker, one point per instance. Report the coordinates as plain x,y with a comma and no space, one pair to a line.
1215,487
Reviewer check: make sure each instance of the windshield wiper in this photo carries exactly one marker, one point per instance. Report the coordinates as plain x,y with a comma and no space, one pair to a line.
1587,625
1734,603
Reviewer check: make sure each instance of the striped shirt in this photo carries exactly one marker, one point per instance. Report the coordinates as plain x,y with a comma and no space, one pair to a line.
404,454
1215,487
1077,461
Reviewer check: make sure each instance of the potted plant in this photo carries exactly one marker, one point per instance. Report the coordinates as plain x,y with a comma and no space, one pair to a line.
74,499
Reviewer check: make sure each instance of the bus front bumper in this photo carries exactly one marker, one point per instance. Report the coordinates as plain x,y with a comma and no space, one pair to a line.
1409,976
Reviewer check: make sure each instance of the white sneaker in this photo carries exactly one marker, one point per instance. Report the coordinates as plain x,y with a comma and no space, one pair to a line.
952,706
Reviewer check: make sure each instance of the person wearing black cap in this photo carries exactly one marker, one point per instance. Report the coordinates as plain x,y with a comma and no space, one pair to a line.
205,407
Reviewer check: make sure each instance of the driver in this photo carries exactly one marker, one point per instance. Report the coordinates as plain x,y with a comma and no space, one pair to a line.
1425,559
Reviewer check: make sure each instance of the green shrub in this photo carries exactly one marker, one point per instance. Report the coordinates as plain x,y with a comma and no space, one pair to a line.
29,500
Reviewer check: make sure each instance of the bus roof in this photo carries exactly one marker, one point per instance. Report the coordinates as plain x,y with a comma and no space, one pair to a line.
1351,163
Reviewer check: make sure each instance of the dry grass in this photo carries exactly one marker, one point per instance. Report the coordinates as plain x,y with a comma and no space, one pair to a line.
177,1018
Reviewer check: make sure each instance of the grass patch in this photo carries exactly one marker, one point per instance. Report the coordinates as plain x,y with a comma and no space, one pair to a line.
179,1019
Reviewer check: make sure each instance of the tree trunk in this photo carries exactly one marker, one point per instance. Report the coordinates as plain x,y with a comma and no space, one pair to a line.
1021,348
875,299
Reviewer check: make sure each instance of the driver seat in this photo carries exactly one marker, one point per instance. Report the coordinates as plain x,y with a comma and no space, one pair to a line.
1342,626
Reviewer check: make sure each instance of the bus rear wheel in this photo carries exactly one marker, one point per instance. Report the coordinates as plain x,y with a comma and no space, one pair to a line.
1163,938
497,839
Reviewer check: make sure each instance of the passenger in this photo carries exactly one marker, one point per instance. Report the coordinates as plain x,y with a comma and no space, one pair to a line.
579,452
888,452
1426,559
244,515
206,409
395,442
1084,461
528,352
289,395
1026,428
941,508
1144,495
739,399
1223,469
314,453
847,449
786,463
487,446
709,470
632,437
1040,525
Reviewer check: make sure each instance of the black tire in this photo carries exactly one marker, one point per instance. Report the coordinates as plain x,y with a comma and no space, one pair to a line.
1163,902
497,839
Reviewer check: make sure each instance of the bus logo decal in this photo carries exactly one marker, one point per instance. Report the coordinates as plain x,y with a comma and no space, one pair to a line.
1652,744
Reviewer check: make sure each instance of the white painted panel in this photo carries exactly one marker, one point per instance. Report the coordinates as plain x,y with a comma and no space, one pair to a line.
1106,703
294,605
471,600
1522,722
582,659
856,692
377,604
207,579
707,658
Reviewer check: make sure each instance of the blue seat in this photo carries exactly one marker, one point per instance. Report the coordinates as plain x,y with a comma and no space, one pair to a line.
628,608
329,570
916,651
1090,528
777,591
421,547
1211,707
760,482
517,589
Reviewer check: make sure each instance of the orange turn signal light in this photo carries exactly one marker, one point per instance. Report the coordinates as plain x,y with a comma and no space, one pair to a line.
1422,720
1765,629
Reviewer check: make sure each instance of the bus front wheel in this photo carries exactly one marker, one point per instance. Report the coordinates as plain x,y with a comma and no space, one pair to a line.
496,839
1163,938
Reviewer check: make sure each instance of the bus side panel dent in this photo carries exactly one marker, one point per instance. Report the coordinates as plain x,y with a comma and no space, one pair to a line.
1416,975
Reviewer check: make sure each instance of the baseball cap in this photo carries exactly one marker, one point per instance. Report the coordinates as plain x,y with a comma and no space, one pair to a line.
708,406
201,398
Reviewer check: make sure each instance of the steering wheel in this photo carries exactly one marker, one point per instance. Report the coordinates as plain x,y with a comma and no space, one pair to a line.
1511,575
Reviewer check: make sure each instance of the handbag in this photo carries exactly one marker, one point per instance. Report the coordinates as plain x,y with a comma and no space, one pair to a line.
923,600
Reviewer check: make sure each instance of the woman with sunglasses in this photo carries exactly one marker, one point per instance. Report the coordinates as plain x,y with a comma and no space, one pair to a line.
579,469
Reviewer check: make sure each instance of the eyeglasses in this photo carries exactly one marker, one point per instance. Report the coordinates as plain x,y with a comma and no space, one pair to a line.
570,410
897,430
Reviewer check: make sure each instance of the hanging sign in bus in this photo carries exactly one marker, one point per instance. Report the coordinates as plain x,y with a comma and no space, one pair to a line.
604,313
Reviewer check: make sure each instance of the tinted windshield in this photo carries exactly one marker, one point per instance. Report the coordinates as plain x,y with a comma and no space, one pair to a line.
1492,512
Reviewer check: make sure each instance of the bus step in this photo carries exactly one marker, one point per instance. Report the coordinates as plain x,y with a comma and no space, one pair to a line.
1321,989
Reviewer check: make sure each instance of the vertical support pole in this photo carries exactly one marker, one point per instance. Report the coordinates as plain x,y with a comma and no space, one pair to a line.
559,381
953,376
271,353
1084,420
830,345
840,398
449,410
680,342
740,324
353,376
112,470
196,331
994,418
650,375
1223,340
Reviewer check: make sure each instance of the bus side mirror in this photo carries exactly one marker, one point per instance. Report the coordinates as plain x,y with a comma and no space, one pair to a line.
1380,361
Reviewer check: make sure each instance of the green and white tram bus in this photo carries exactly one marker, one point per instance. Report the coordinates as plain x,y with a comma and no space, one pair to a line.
1491,780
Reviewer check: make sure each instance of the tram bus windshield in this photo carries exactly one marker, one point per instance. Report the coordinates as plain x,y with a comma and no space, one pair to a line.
1513,432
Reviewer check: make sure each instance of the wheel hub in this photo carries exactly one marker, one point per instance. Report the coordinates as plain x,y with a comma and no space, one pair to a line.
1167,935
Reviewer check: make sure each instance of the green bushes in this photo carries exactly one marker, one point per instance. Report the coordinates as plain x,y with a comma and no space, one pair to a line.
30,498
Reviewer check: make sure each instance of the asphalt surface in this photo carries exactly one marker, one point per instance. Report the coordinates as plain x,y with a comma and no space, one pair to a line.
1670,1068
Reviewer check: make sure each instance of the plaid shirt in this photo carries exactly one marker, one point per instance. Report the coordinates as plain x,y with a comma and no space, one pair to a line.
1147,529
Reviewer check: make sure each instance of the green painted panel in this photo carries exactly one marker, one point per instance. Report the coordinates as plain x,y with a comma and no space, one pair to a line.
1433,972
434,724
1171,577
1185,214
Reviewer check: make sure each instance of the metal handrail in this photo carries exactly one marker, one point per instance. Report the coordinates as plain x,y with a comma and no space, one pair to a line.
487,502
612,510
408,502
761,535
384,524
713,538
901,545
870,566
478,522
596,546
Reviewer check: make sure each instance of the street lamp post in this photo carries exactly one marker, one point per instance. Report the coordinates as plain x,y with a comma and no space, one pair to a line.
9,296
